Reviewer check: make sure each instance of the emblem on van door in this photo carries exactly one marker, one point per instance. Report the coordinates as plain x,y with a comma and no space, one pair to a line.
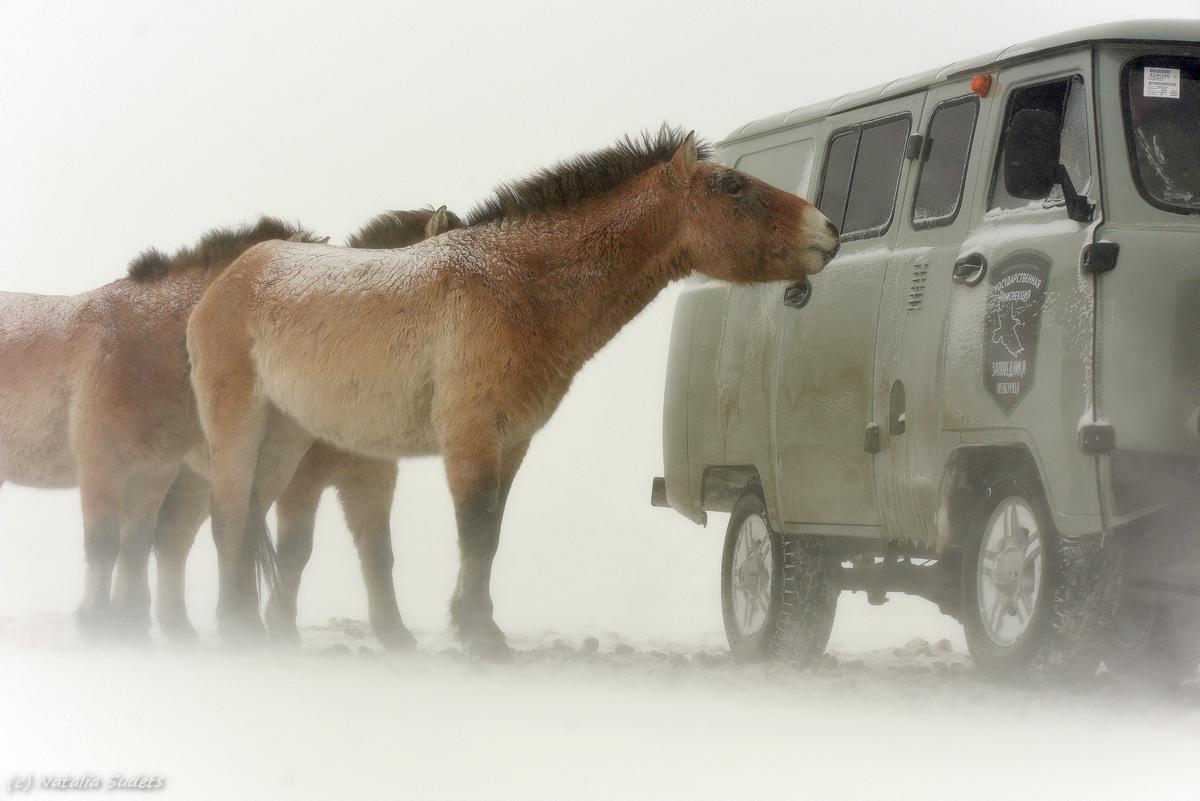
1011,323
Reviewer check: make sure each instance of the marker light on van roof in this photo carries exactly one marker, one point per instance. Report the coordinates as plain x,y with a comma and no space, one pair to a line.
980,84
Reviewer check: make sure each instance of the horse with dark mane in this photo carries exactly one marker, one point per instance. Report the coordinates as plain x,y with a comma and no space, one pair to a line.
365,487
94,393
464,345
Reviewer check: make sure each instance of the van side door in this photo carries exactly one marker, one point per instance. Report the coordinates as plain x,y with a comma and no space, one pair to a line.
1019,340
826,346
932,225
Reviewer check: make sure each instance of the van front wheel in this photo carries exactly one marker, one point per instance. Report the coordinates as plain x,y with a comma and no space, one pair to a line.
1036,605
778,594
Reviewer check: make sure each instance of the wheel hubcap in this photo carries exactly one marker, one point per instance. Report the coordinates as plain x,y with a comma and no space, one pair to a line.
752,572
1133,622
1010,571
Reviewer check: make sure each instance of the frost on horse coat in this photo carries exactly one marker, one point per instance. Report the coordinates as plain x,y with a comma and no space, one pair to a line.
464,345
94,393
365,487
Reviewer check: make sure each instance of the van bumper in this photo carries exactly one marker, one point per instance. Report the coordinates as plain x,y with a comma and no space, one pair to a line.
1153,480
658,492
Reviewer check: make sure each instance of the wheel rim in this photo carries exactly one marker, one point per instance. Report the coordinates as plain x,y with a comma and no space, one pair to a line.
752,571
1132,623
1009,575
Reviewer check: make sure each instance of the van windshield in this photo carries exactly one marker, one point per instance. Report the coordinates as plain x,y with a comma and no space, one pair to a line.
1161,97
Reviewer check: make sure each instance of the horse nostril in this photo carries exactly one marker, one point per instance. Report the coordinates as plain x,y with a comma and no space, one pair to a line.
837,243
833,230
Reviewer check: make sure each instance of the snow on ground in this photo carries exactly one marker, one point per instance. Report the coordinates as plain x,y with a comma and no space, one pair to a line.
572,718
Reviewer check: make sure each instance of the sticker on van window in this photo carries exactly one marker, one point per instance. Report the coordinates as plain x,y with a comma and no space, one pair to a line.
1161,82
1011,324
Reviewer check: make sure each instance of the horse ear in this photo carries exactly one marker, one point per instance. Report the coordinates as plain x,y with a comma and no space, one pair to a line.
686,157
323,240
296,237
439,223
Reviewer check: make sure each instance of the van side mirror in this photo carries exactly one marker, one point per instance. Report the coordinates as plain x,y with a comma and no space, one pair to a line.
1031,154
1031,166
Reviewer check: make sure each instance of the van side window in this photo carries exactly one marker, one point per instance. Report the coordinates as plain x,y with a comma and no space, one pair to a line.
944,171
1066,100
862,173
835,188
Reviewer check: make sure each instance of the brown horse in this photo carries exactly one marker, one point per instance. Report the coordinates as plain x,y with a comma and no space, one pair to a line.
463,346
94,393
365,486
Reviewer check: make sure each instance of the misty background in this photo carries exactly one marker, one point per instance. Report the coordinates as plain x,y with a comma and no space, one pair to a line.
136,124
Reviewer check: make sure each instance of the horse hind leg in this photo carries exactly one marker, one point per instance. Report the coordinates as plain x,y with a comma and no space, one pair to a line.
235,429
182,513
295,513
366,488
283,447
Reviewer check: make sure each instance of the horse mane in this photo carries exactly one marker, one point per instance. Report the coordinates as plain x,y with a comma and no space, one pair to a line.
216,248
583,177
396,229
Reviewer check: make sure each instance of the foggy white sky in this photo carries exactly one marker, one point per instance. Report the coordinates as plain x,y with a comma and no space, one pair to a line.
130,124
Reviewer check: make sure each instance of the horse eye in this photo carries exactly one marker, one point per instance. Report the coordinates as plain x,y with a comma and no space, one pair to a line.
732,186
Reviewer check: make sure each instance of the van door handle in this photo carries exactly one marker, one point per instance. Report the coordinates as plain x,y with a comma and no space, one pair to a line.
970,270
797,295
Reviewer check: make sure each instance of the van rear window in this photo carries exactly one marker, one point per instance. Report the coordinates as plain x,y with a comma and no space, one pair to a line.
862,173
944,171
1161,97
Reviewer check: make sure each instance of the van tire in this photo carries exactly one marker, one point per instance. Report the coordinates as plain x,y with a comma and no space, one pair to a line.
803,590
1075,597
1154,643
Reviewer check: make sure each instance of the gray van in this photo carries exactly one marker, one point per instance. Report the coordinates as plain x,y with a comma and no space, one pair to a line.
991,397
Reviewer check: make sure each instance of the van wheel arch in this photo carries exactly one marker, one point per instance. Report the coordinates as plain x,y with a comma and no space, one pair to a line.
723,484
968,467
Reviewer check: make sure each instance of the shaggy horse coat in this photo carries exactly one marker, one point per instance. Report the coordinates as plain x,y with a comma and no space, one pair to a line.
94,393
365,487
464,345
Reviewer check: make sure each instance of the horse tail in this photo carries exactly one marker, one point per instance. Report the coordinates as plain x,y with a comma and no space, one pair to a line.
266,563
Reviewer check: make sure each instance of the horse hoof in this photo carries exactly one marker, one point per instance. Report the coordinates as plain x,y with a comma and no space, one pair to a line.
130,631
177,630
242,633
396,638
287,636
95,624
488,649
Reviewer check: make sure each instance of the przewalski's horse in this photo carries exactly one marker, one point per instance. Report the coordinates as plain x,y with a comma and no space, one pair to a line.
94,393
463,346
365,487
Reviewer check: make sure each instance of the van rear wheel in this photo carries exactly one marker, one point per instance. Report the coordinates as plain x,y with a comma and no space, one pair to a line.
1154,641
778,594
1036,605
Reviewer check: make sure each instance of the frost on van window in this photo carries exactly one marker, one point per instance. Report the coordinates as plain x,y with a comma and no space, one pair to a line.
1073,150
1067,100
876,176
836,185
943,171
1162,113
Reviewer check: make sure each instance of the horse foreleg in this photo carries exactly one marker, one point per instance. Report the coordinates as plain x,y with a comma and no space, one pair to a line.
366,488
296,512
182,513
480,474
100,496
